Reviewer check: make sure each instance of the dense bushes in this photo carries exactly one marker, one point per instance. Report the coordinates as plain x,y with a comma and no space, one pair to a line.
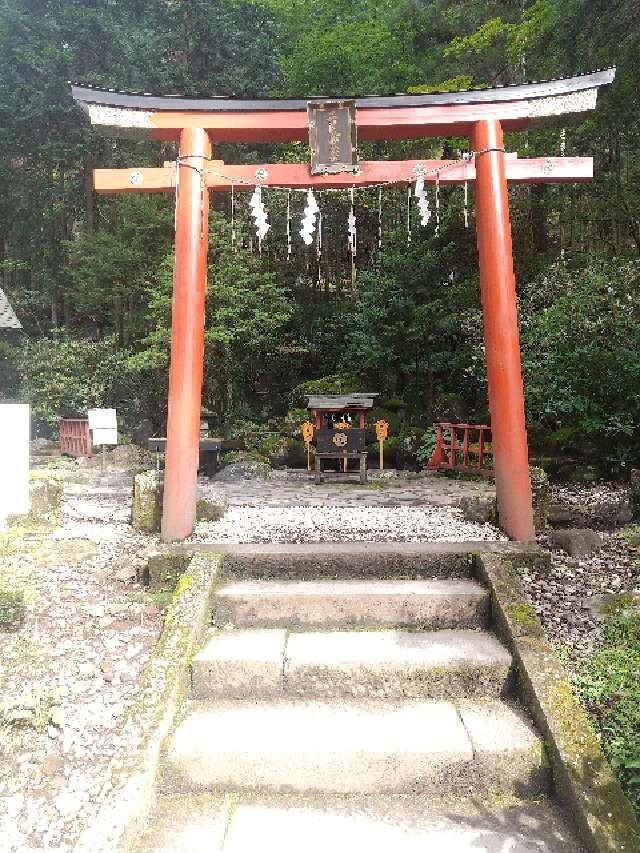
580,340
609,684
63,375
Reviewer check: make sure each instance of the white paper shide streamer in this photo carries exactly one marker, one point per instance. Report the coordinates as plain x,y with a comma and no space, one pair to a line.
309,219
420,193
351,226
259,214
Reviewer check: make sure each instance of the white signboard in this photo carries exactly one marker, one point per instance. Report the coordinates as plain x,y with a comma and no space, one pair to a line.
103,424
15,433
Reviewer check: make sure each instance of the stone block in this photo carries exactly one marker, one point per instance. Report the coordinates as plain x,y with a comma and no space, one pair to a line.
541,497
240,664
163,570
410,824
146,508
577,541
127,457
396,664
332,747
564,515
505,746
211,510
479,510
46,493
425,604
346,747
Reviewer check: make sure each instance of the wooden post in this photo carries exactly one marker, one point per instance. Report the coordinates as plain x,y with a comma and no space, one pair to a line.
187,337
501,336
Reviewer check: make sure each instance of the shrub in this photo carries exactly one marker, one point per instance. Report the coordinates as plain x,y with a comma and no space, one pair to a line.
13,607
65,376
609,685
338,383
426,446
580,332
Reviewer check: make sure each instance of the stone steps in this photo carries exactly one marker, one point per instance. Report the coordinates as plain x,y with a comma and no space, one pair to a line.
377,664
353,697
355,746
378,824
354,560
427,604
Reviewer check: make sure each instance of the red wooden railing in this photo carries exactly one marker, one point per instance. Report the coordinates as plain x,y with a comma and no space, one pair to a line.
466,448
75,437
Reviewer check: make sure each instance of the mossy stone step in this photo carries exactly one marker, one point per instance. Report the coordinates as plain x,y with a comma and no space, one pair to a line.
424,604
355,747
380,664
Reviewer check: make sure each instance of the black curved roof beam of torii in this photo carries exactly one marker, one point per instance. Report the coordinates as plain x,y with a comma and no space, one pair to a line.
401,116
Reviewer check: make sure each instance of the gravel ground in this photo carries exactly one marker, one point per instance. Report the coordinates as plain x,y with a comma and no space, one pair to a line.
73,669
569,598
342,524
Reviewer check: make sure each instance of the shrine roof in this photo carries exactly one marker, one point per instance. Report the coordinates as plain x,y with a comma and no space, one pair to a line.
335,403
8,318
379,117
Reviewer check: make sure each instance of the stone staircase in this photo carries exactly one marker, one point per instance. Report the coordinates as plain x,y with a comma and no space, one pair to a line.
350,713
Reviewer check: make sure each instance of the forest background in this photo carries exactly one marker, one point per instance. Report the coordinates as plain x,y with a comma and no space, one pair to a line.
90,277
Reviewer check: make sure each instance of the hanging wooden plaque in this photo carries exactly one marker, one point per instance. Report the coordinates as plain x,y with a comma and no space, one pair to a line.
332,137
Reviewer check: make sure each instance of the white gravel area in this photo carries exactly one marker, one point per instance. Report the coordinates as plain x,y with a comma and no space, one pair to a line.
247,524
569,599
73,668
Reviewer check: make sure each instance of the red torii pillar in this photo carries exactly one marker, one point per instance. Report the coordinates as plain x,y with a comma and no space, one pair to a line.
501,335
187,336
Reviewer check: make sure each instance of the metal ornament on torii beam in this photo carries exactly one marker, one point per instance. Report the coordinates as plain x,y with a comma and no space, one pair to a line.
482,116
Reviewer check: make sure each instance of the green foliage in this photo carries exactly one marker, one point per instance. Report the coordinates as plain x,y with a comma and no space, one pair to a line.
609,684
64,376
426,446
516,38
580,330
337,383
334,47
9,377
260,443
293,420
247,316
91,277
13,606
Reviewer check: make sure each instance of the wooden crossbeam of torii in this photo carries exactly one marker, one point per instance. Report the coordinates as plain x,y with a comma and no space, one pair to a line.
483,116
221,176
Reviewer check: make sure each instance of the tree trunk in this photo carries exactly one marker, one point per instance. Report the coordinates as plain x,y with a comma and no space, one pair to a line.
89,197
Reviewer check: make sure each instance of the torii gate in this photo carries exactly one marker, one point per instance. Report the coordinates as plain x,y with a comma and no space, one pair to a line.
482,116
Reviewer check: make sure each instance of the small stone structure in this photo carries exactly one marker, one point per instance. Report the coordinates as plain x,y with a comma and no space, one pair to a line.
577,542
146,507
541,497
46,492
